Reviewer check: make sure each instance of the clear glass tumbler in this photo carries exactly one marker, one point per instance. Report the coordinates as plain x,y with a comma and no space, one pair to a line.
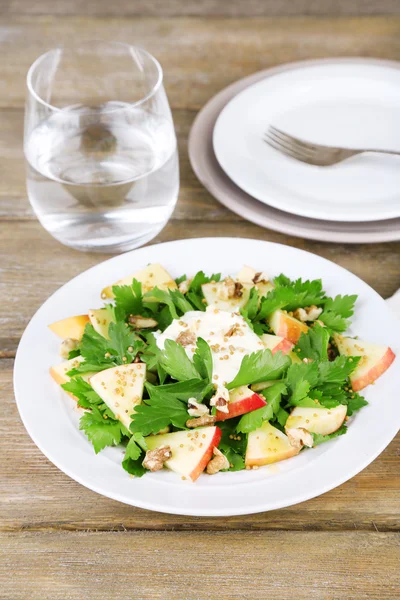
100,146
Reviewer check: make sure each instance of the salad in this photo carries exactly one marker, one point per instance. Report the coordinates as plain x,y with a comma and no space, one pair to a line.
210,374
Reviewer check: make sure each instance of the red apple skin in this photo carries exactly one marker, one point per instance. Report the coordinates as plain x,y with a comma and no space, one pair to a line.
284,346
361,382
287,327
207,455
242,406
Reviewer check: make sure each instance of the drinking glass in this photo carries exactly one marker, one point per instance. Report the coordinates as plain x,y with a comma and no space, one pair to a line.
100,146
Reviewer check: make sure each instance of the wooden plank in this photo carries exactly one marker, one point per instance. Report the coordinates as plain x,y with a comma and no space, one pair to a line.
200,56
51,264
215,8
240,565
367,502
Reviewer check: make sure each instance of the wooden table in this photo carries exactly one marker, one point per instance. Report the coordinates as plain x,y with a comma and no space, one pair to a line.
60,541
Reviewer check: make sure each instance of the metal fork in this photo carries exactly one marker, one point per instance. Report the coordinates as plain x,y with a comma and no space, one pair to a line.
312,154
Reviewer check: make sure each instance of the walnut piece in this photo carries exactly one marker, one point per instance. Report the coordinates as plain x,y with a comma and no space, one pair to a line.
230,289
221,399
185,338
260,277
195,409
309,313
139,322
183,287
201,421
218,463
67,346
299,437
155,459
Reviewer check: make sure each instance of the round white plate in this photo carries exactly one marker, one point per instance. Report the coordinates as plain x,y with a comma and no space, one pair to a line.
338,103
51,417
215,180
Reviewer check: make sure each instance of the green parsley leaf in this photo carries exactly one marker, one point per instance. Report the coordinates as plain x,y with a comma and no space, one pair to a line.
94,346
180,301
100,431
134,455
354,403
195,293
162,297
300,379
157,412
250,309
152,356
128,300
180,279
183,390
202,359
254,419
282,416
260,366
320,439
338,370
333,321
314,344
232,445
83,391
176,362
341,305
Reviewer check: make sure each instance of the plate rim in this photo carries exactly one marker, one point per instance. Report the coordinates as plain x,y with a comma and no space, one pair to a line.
299,497
219,185
296,66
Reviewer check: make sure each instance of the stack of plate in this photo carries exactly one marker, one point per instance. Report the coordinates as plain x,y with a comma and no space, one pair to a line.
338,102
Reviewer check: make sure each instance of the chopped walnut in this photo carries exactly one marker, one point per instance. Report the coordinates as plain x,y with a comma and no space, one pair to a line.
299,437
142,322
185,338
155,459
260,277
230,289
67,346
221,399
218,463
183,287
201,421
195,409
309,313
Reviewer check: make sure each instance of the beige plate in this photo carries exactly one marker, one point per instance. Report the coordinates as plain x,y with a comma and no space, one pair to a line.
213,178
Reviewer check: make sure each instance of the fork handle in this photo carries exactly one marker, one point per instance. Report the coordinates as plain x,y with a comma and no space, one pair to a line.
392,152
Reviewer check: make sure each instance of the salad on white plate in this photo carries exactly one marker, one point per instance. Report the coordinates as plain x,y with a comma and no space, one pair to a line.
210,374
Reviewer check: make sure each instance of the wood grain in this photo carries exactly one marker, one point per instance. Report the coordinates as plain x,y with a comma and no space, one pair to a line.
199,56
37,496
240,565
215,8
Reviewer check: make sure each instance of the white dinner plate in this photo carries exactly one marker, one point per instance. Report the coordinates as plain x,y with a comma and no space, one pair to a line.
51,417
339,103
217,182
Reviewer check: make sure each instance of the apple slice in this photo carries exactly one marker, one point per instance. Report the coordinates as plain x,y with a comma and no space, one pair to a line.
286,326
317,420
276,343
241,400
247,275
151,276
375,360
59,372
71,327
267,445
191,450
100,318
216,295
121,388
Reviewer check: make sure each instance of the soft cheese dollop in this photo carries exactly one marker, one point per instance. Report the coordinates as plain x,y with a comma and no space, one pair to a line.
227,334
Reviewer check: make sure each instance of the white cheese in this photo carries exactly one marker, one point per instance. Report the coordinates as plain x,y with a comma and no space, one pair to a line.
213,325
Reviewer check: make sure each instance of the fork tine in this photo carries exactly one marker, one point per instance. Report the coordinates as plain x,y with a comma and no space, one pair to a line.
295,140
289,141
285,148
